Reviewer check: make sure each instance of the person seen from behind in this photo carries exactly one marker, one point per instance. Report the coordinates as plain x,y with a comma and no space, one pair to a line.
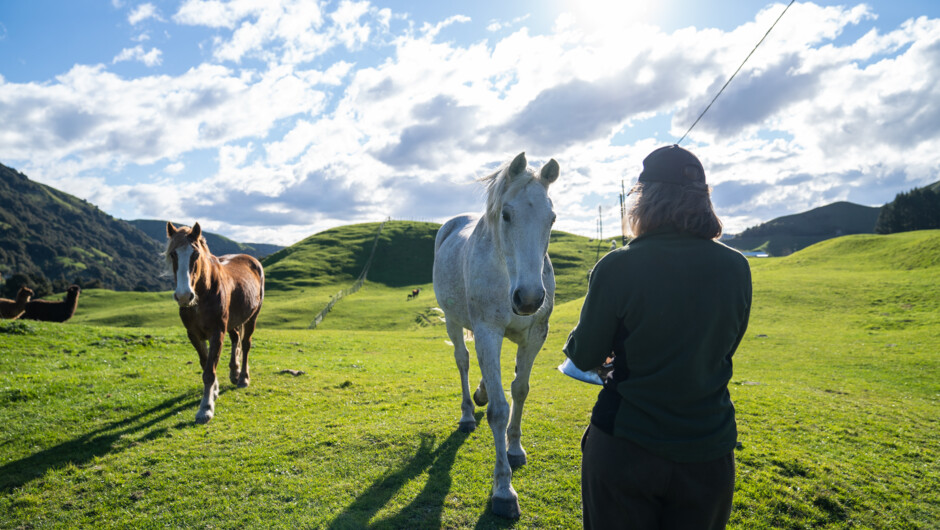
670,308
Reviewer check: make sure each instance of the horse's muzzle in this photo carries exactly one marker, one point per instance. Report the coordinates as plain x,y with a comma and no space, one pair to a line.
524,304
185,299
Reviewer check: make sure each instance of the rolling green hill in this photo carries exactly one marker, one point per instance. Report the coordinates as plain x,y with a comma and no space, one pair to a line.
51,239
868,252
218,244
404,256
787,234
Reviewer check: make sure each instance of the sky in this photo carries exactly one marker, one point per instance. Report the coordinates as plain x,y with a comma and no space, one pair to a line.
270,120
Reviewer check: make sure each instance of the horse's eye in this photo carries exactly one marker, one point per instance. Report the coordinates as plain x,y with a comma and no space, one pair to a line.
553,218
506,216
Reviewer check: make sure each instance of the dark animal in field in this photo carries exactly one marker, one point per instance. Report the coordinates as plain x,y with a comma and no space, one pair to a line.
414,294
13,309
54,311
216,295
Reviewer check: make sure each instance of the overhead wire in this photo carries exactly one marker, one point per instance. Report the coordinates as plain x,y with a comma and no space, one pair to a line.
735,73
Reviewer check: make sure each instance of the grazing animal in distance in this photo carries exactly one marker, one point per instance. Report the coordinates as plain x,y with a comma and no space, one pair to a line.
216,295
54,311
14,309
492,276
414,294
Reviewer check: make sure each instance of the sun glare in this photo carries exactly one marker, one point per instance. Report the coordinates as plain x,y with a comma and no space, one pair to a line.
610,15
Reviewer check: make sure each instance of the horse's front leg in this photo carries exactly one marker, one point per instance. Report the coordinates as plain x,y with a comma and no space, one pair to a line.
200,345
525,358
505,501
210,383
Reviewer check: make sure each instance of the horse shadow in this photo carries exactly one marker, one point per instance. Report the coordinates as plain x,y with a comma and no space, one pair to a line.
425,510
96,443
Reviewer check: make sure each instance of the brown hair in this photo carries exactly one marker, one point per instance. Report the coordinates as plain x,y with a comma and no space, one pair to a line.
686,207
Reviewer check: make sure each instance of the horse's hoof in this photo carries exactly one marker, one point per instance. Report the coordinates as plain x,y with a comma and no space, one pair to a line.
481,402
467,426
517,461
507,508
204,416
233,379
243,383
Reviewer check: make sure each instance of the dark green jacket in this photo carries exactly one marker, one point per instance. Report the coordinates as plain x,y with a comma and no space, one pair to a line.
673,308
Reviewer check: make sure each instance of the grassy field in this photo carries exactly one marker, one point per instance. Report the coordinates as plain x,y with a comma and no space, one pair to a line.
836,388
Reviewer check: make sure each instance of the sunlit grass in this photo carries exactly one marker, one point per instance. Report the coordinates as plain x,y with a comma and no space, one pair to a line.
835,387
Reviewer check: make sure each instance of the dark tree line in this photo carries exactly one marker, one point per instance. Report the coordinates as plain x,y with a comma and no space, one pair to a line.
918,209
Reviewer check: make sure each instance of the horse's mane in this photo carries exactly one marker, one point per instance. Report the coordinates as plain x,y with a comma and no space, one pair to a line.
500,185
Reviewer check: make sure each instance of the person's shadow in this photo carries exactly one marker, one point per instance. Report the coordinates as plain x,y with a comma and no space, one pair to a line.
425,510
98,442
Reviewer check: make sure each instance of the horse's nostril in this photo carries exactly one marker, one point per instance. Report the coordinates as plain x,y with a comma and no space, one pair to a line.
516,299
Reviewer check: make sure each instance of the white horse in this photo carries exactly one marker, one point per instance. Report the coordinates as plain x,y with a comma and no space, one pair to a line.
492,276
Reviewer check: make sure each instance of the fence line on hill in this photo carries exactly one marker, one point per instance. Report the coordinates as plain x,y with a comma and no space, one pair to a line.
355,287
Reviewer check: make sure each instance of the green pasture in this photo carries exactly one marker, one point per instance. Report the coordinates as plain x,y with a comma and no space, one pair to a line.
836,388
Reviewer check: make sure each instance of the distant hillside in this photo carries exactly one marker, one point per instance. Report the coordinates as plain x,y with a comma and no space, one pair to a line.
902,251
785,235
218,244
336,256
55,239
404,257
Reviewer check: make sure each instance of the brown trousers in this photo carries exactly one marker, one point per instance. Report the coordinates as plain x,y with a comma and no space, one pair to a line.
625,486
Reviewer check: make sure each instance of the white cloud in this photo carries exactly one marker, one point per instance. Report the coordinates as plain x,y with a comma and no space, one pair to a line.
496,25
289,31
142,12
105,120
175,168
137,53
396,118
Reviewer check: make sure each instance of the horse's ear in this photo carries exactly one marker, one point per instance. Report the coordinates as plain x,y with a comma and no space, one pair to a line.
518,164
170,229
549,172
195,232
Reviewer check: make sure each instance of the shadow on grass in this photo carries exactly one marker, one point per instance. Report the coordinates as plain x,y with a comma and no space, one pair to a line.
98,442
425,510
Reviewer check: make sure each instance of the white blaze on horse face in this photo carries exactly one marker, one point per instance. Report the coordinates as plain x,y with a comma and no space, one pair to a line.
184,295
525,227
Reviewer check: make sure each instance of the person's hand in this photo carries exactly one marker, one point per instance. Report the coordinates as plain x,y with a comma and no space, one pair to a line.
606,368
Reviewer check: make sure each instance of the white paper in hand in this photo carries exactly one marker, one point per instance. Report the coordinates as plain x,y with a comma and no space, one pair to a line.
568,368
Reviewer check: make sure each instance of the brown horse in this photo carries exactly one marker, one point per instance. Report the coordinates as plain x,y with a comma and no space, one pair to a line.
12,309
216,295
